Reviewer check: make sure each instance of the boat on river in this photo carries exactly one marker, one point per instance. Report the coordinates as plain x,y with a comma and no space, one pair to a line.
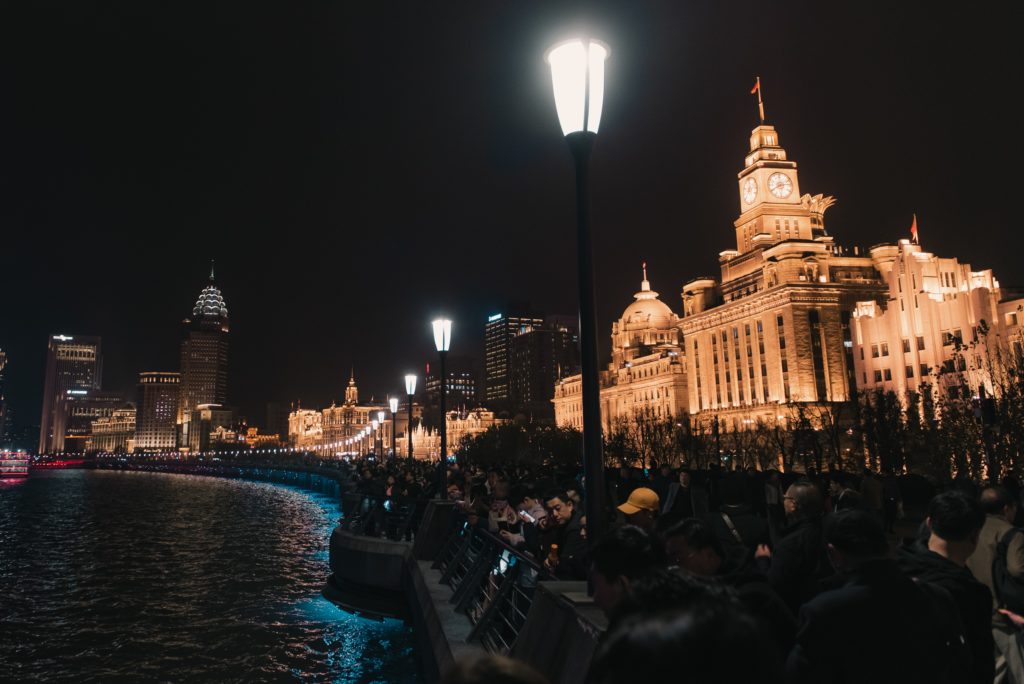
13,464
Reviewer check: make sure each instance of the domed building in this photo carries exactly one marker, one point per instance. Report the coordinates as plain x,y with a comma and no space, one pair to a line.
204,360
646,377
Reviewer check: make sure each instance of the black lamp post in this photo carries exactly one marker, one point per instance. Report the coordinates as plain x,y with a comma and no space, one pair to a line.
577,74
443,340
410,389
393,405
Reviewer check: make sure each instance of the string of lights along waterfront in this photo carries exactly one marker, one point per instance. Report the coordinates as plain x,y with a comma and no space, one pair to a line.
128,576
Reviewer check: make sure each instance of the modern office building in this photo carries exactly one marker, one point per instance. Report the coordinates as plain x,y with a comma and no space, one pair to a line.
77,411
158,400
4,436
539,356
209,422
499,331
74,368
463,384
204,358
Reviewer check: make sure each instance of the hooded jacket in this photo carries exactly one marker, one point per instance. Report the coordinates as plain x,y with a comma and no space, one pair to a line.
972,598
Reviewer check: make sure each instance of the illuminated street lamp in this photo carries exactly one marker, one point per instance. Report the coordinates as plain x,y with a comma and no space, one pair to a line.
577,76
380,434
443,340
373,435
410,389
393,405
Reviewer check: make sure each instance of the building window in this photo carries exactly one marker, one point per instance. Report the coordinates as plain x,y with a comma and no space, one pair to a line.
906,346
874,351
910,372
878,376
925,370
865,377
885,349
920,343
862,353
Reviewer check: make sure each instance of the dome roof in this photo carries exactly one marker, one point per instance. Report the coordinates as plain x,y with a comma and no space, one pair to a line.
210,307
647,311
210,304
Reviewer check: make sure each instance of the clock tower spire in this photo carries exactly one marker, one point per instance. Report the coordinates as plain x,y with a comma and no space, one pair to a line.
771,208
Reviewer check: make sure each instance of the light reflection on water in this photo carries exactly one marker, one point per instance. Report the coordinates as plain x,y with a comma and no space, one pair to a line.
153,577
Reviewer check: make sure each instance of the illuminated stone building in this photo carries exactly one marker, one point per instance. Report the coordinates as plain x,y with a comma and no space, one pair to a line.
646,376
114,434
776,328
334,425
77,410
158,402
204,359
208,425
74,367
426,443
939,315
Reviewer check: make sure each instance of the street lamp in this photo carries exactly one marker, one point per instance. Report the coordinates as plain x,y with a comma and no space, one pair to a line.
410,389
443,340
380,433
577,76
393,405
373,435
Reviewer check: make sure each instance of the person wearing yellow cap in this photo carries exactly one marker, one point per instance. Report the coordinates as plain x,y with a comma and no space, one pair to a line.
641,509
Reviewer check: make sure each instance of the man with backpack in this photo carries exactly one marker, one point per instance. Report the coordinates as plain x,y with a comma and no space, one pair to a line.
998,563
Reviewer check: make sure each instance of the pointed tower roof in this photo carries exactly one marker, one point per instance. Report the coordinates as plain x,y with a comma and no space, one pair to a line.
210,308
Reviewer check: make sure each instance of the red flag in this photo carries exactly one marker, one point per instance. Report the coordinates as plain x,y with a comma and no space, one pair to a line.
913,230
757,86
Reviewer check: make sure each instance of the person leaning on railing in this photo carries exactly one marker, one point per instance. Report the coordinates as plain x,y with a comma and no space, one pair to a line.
564,523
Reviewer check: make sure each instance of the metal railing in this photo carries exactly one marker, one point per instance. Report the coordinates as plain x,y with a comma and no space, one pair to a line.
395,518
492,584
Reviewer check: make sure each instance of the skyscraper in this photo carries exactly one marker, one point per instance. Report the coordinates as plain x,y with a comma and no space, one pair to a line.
204,357
74,366
156,420
3,401
498,334
539,356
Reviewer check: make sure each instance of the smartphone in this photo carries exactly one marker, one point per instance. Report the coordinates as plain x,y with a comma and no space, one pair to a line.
527,517
502,525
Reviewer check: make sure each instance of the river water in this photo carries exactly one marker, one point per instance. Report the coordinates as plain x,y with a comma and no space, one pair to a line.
126,577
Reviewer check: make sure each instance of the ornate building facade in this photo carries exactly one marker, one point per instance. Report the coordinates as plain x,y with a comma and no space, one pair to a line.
337,425
113,434
159,395
646,375
942,324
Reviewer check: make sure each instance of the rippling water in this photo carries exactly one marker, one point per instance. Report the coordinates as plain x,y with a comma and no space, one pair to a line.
120,576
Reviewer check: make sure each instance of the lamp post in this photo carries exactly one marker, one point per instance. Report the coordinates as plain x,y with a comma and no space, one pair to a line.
372,437
410,389
443,340
577,76
393,405
380,433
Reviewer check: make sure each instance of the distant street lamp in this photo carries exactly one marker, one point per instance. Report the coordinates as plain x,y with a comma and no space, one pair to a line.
577,75
410,389
373,435
443,340
393,405
380,433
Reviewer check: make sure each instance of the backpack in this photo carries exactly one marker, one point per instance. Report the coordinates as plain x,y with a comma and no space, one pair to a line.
1009,589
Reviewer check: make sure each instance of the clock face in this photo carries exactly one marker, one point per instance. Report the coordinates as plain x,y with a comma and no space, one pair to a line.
780,185
749,190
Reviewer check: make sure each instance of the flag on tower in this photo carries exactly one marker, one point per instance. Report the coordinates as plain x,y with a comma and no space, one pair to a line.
913,230
760,102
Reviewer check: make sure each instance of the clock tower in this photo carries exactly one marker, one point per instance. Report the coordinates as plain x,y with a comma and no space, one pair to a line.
770,202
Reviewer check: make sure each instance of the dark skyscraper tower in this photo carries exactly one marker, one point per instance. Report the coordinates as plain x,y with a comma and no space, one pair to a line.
204,356
74,366
539,356
498,334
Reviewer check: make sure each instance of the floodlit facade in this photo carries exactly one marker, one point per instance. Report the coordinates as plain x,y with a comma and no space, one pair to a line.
940,315
647,374
204,359
336,425
74,366
113,434
159,397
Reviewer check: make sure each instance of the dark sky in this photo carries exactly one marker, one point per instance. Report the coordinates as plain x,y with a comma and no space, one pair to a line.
357,167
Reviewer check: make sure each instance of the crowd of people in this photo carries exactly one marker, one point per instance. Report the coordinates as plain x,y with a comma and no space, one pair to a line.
743,576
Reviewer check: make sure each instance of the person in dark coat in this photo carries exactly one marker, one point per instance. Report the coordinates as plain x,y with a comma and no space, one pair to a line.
798,562
876,625
954,523
739,530
694,547
568,534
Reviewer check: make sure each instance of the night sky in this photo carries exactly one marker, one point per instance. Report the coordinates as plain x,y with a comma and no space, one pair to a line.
357,167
